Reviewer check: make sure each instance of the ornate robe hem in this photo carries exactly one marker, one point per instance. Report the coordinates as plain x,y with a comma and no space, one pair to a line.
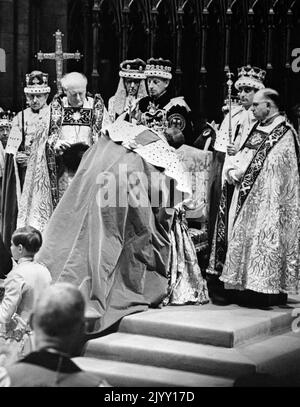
231,285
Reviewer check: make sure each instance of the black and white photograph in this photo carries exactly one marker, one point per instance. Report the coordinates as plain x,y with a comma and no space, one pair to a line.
150,196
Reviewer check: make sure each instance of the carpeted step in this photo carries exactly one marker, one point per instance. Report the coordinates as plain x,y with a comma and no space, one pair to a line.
278,355
123,374
226,326
170,354
181,340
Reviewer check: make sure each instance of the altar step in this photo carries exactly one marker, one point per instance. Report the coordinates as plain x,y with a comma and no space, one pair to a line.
124,374
198,346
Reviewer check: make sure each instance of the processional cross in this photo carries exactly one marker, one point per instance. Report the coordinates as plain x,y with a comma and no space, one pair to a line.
59,56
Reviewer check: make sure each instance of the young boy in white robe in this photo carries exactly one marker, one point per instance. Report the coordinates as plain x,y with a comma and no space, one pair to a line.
22,286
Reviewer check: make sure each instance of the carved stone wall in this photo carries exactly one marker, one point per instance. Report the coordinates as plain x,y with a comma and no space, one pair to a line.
203,38
26,26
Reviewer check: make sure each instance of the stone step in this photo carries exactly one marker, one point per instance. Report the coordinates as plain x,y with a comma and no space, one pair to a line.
170,354
122,374
226,326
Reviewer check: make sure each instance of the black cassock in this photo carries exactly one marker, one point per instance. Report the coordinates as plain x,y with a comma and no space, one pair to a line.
5,260
9,205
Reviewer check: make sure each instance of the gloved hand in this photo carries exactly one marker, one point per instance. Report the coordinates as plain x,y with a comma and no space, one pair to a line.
231,149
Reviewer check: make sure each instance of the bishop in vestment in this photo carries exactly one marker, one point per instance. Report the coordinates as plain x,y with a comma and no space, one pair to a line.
27,128
75,123
256,251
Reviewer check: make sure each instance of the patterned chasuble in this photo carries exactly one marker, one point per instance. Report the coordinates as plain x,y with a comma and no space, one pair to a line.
77,117
62,115
264,147
262,143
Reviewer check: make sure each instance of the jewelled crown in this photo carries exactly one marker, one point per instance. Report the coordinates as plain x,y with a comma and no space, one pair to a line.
6,117
37,82
160,68
133,68
251,76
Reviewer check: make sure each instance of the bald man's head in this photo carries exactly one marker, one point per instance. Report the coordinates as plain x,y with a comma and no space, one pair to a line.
265,104
59,311
74,85
269,94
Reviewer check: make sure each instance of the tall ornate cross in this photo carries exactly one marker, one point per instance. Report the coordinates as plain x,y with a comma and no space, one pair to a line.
59,56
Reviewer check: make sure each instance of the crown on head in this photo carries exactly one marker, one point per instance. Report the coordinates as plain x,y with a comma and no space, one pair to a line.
251,76
37,82
159,67
6,117
133,68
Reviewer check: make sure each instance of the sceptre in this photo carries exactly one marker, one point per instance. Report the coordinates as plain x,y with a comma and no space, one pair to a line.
229,84
22,145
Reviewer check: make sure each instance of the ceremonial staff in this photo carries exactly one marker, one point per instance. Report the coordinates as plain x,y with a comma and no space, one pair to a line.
22,145
227,186
229,84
